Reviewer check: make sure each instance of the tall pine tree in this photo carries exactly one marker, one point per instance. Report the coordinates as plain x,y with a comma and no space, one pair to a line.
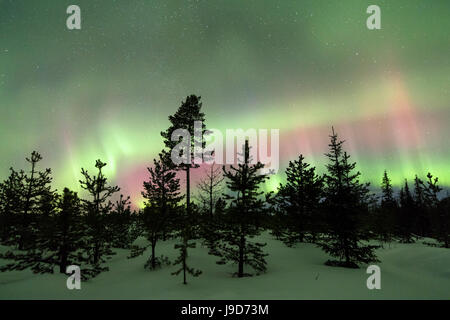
184,118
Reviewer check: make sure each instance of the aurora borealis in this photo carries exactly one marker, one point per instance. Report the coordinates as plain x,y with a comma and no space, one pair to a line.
105,91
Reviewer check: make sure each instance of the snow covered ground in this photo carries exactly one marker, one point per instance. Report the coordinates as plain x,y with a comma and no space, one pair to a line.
408,271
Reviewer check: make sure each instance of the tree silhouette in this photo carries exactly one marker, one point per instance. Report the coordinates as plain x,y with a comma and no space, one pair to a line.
120,222
35,185
162,192
421,216
298,202
97,245
209,189
184,118
442,222
406,221
68,235
58,237
11,207
346,204
209,192
438,210
386,214
241,220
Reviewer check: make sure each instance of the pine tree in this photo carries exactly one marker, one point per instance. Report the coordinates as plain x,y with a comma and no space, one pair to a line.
385,216
438,210
421,214
120,223
346,203
183,245
97,244
241,219
406,221
20,196
387,191
10,207
209,191
68,234
35,185
185,118
162,192
442,222
298,202
57,239
61,235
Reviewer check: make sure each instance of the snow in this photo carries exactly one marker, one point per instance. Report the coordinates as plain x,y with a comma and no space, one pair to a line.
408,271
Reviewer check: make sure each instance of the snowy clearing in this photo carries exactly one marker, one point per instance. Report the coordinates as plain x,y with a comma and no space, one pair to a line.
408,271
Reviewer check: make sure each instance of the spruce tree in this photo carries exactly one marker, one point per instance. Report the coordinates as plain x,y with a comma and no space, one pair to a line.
298,202
97,245
162,194
58,237
69,230
36,184
441,230
240,222
387,191
21,196
439,210
10,207
386,214
406,221
346,204
120,223
422,225
184,118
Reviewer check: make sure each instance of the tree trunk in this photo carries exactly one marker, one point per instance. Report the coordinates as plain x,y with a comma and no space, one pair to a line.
211,194
96,252
188,216
241,256
188,191
63,261
347,256
184,261
153,254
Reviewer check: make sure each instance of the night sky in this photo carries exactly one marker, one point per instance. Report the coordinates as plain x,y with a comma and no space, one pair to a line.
105,91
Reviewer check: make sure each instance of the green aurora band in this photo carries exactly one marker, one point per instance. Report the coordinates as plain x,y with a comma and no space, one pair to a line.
105,91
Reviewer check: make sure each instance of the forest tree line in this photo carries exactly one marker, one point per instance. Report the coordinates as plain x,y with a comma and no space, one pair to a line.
44,230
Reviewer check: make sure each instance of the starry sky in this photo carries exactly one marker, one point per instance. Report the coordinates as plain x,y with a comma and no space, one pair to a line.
105,91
